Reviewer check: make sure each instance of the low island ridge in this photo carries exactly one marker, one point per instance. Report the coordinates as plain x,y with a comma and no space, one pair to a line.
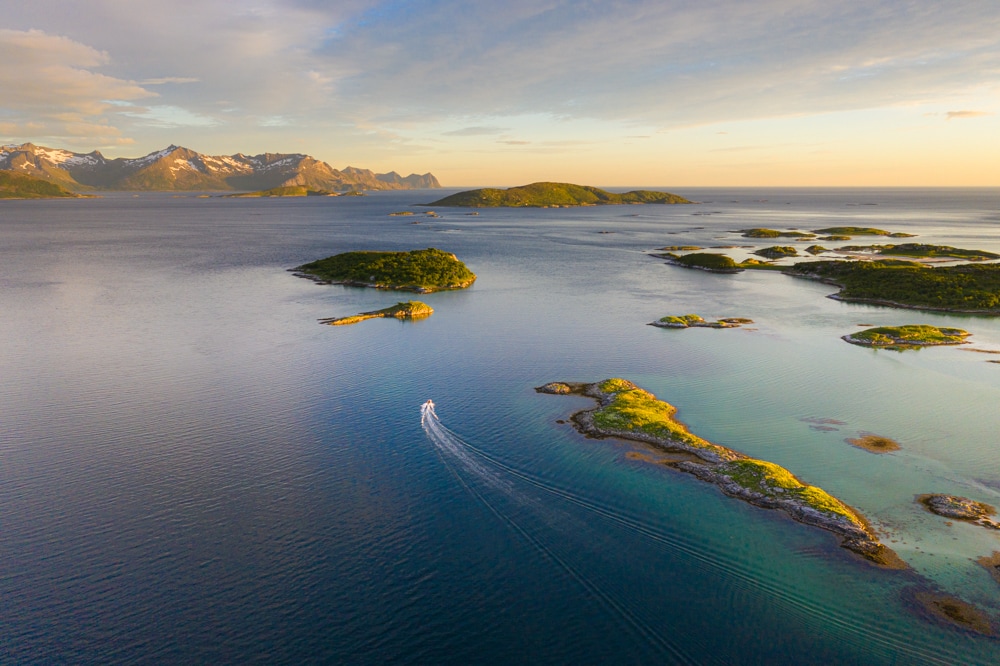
628,412
546,194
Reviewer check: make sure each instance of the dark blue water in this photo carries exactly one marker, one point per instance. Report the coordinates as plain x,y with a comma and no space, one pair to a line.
193,470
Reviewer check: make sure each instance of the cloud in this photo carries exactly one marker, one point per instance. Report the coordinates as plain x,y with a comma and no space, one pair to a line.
682,63
951,115
49,87
169,79
513,142
477,131
404,68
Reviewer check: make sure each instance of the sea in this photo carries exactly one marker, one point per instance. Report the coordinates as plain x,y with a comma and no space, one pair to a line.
193,470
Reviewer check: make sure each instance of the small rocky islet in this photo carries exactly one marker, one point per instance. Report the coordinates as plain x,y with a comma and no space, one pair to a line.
909,336
626,411
402,310
960,508
696,321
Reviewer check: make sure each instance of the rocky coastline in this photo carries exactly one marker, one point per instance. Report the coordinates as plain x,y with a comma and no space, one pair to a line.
715,464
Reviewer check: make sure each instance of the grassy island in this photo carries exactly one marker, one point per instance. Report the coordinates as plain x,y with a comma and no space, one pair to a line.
422,271
626,411
405,310
540,195
696,321
705,261
912,336
774,233
920,250
860,231
285,191
19,186
777,252
816,249
874,443
907,284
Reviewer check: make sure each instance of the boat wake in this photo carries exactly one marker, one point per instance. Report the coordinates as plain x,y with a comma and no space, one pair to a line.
561,525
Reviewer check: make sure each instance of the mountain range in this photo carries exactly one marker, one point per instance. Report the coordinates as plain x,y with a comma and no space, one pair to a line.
179,169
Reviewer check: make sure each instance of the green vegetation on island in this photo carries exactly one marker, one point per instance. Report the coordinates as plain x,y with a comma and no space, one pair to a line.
971,288
777,252
774,233
19,186
422,271
921,250
696,321
705,261
816,249
836,237
540,195
626,411
859,231
874,443
403,310
286,191
911,336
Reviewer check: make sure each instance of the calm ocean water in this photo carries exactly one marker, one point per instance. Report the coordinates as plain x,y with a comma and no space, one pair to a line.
193,471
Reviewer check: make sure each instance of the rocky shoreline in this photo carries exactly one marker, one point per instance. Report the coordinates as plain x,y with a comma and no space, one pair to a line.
389,287
714,464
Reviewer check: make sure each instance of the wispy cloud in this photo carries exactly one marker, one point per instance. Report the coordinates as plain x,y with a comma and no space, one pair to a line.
169,79
477,131
952,115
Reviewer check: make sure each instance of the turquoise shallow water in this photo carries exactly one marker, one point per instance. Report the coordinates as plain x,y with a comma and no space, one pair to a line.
191,469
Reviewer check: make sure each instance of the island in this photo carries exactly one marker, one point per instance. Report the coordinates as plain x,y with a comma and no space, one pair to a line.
284,191
703,261
422,271
20,186
542,195
759,232
874,443
967,288
626,411
861,231
777,252
403,310
910,336
923,251
696,321
960,508
816,249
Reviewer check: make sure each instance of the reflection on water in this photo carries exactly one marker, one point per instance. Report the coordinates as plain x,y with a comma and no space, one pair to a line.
192,469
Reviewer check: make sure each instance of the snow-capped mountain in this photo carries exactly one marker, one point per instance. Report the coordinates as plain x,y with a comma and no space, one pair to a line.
177,168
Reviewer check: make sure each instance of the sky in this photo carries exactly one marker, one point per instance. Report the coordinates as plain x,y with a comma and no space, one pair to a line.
607,93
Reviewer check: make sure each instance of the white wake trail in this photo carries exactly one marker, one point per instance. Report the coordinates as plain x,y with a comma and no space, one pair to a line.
453,449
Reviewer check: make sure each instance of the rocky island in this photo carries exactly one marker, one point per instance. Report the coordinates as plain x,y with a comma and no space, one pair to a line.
628,412
702,261
403,310
968,288
696,321
960,508
911,336
422,271
286,191
759,232
922,251
542,195
860,231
